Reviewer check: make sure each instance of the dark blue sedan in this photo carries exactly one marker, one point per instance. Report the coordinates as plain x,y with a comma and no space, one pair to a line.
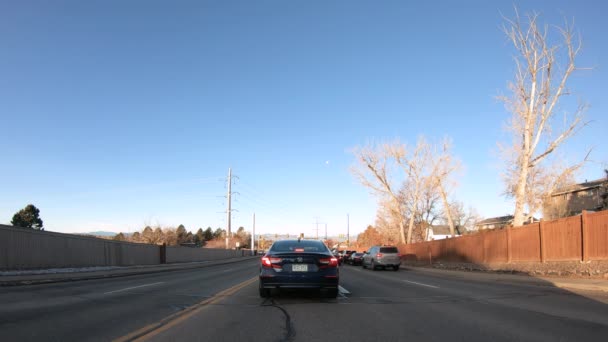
299,264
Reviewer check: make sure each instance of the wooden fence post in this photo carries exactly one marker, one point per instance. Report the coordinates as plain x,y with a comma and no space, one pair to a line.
584,245
542,241
483,245
509,245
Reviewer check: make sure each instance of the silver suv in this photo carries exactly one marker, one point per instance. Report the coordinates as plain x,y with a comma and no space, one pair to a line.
382,256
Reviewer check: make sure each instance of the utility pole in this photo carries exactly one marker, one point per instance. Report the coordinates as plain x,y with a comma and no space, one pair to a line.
317,228
326,232
348,229
253,236
229,210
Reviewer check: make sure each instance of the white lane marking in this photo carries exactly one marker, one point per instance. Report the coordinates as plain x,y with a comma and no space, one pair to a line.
421,284
134,287
228,270
343,290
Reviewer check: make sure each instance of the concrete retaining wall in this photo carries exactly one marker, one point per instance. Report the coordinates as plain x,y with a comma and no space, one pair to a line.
22,249
186,254
27,249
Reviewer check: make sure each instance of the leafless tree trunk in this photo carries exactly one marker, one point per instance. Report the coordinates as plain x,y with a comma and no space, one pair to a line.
444,165
414,163
542,70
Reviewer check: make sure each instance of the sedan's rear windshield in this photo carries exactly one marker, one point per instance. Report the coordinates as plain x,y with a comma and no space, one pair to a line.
305,245
389,250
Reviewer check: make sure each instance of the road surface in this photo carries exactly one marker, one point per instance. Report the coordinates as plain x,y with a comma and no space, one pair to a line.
221,303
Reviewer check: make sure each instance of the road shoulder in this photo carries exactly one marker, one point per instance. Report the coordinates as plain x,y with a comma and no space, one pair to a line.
568,283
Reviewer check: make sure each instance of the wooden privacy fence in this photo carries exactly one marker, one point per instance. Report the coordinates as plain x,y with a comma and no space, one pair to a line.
583,237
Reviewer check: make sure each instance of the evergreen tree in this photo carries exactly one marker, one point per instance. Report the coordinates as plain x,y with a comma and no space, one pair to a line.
28,217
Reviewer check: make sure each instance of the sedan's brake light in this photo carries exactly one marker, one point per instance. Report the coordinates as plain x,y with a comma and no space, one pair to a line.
299,250
328,262
271,262
379,255
333,262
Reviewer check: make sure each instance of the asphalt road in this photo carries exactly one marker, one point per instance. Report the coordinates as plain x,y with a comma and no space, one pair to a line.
372,306
105,309
400,306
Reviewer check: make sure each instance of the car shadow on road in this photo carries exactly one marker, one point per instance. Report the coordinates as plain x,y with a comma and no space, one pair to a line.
301,296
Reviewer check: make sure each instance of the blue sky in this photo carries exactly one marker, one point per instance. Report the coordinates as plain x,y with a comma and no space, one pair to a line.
118,114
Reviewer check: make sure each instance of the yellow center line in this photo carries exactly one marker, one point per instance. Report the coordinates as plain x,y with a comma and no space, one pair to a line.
170,321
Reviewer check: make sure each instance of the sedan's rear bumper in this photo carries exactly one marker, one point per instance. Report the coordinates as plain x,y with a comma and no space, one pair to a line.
290,283
299,286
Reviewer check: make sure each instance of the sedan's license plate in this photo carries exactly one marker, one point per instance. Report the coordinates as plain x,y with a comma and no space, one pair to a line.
299,268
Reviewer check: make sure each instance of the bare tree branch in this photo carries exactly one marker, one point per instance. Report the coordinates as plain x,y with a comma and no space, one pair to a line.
540,83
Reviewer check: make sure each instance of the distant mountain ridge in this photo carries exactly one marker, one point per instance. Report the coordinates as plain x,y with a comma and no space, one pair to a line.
101,233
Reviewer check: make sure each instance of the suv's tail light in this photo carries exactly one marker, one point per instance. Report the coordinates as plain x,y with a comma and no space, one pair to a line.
328,262
271,262
399,255
379,255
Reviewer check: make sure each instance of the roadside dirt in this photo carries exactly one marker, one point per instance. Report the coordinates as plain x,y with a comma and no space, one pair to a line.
567,269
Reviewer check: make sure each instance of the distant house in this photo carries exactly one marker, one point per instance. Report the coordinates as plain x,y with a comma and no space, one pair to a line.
495,222
438,232
499,222
573,199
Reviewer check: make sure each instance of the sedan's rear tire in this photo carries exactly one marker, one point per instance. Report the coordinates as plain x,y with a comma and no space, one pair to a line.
363,264
331,293
396,268
374,268
264,293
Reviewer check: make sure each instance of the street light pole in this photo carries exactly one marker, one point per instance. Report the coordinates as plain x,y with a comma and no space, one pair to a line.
348,229
253,236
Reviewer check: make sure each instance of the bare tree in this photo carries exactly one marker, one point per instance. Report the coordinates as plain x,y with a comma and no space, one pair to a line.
414,164
369,237
387,220
444,165
427,209
463,218
375,169
170,237
542,71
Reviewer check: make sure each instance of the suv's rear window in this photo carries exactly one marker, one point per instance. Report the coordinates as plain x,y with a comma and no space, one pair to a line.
389,250
290,246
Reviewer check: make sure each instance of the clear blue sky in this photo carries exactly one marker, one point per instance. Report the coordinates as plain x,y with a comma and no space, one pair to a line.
118,114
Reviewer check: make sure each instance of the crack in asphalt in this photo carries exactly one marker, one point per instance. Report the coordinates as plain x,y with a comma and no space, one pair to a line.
290,332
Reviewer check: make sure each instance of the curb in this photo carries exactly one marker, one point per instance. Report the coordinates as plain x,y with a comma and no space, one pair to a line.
69,277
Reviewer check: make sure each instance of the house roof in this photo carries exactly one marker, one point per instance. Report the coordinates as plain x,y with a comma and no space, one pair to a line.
504,219
580,186
445,230
493,220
